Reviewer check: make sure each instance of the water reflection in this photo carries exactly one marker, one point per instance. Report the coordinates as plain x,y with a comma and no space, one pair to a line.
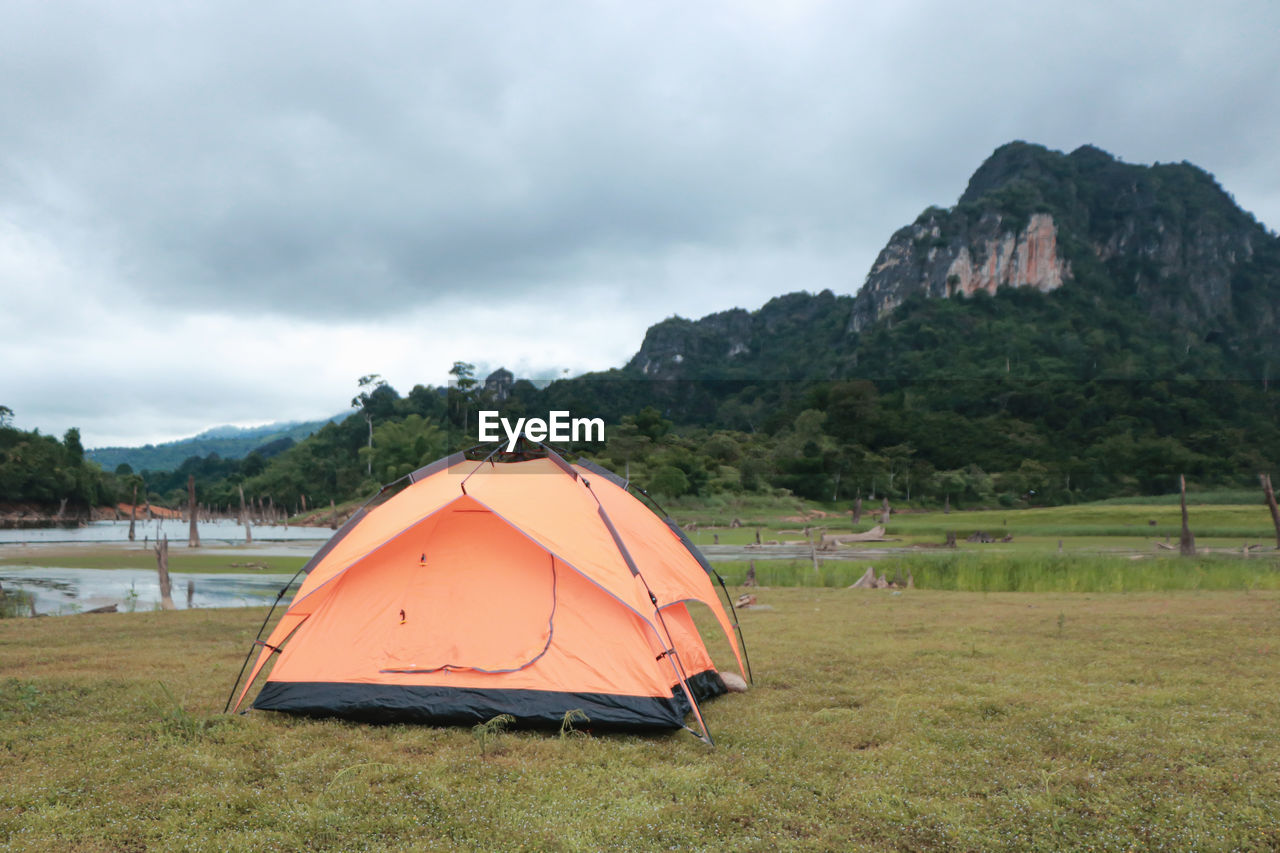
63,591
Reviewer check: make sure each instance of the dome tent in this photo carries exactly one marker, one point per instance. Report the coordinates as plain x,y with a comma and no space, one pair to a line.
517,584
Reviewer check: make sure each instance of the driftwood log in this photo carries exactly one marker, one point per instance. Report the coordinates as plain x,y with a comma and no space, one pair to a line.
831,541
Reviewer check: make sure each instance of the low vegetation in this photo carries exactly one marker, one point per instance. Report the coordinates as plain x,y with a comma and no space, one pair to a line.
970,572
919,720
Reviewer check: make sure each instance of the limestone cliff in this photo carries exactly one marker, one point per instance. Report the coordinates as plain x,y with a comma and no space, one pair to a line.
918,259
1163,246
1032,217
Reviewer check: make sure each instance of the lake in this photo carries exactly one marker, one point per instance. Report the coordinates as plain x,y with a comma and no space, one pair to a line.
58,591
222,530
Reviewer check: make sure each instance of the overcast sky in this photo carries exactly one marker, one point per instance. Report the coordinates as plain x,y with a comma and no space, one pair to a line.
226,212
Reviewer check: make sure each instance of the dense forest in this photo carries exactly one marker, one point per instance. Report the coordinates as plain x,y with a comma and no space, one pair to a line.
970,443
43,471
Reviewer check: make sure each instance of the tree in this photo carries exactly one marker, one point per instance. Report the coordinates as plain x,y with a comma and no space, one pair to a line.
462,390
368,385
669,481
404,446
464,375
72,442
6,416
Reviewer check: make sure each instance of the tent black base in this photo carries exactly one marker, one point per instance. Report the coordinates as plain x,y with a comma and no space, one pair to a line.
394,703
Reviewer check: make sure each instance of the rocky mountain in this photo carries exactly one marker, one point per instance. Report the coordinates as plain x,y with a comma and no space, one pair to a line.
1158,259
740,344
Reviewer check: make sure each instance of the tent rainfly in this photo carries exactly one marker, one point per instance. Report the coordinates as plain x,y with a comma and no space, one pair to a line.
532,587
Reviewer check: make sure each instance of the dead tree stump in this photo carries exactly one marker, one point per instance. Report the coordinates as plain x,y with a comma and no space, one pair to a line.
1271,504
133,513
193,537
162,569
244,519
1187,543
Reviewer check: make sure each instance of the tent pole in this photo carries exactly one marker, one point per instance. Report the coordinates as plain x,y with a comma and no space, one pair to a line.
737,626
254,644
746,659
677,665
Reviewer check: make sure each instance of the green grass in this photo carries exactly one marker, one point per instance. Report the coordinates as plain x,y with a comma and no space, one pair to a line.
1234,523
1219,521
1224,496
970,572
919,721
97,556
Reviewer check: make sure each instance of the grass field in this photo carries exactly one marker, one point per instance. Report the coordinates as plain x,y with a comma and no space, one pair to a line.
1013,572
1085,526
918,720
100,555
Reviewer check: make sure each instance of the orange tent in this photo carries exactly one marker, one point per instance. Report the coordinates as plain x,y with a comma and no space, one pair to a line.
531,588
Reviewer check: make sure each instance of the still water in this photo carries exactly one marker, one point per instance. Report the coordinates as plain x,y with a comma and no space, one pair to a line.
223,530
63,591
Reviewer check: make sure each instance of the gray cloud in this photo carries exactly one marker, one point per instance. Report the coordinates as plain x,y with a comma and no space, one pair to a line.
346,166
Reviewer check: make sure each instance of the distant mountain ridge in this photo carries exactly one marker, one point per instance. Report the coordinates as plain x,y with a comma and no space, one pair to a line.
228,442
1099,269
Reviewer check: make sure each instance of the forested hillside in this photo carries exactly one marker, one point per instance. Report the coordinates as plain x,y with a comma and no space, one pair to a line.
1074,328
225,442
42,471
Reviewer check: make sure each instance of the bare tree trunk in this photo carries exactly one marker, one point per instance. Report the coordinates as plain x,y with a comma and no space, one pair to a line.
304,503
162,568
1271,504
1187,544
884,512
62,507
946,506
369,418
244,519
133,512
857,510
750,579
193,538
333,514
